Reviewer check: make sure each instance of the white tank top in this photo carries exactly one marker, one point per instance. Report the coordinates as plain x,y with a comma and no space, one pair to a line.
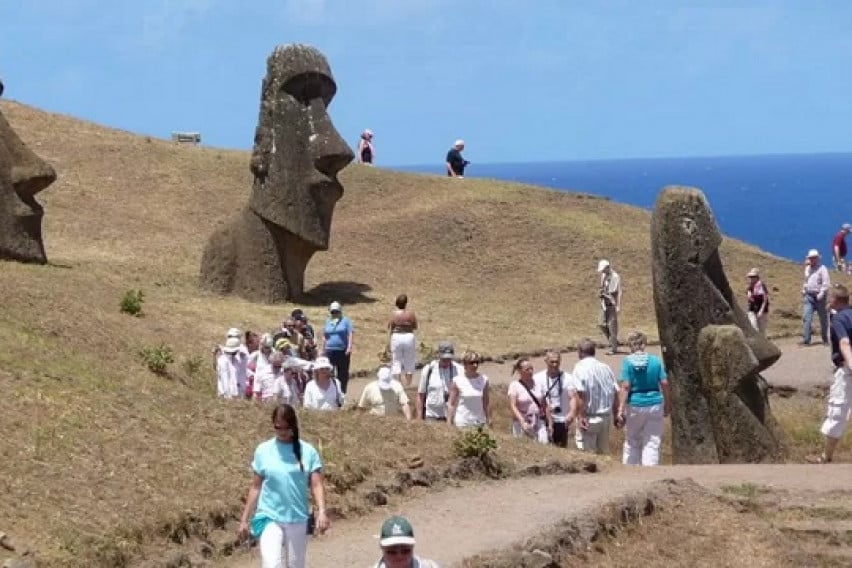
470,411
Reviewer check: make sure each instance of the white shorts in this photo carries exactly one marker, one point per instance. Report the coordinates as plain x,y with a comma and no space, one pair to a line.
836,419
403,352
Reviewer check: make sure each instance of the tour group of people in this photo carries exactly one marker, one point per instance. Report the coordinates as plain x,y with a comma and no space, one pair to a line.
454,162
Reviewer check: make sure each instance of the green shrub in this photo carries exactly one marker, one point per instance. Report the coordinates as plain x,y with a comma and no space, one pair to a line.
475,443
192,366
132,301
157,358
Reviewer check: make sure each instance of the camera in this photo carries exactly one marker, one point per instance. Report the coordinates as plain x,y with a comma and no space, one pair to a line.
557,409
446,397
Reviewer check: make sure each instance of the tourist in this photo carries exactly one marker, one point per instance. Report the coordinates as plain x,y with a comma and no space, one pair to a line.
232,332
366,153
455,162
252,345
397,542
385,396
231,370
838,247
284,468
324,391
530,413
598,403
559,390
260,358
610,294
815,295
645,399
433,392
758,301
403,344
307,331
273,383
840,393
468,404
337,342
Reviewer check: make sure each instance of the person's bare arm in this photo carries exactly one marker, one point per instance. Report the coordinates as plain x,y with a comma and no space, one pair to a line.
623,393
406,411
486,403
318,492
452,403
251,504
450,170
846,351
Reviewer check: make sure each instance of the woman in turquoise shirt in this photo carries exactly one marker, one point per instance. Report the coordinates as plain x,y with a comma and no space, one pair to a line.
647,399
337,342
284,467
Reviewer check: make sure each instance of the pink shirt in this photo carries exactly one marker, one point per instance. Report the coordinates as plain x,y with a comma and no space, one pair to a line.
525,403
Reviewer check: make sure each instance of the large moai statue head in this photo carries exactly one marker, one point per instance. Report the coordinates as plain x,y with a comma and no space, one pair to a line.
297,150
691,292
22,176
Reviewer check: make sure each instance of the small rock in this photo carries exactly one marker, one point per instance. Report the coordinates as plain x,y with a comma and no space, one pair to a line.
206,550
6,542
376,498
19,563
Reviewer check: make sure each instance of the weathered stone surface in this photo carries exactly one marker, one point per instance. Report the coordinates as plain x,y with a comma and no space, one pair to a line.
22,175
692,292
262,253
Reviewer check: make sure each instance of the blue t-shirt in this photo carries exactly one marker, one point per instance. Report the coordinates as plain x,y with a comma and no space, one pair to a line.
284,493
644,372
336,333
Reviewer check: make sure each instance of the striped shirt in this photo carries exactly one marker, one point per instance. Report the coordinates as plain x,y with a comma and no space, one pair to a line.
597,380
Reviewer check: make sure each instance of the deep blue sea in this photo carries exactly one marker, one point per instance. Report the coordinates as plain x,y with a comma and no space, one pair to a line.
785,204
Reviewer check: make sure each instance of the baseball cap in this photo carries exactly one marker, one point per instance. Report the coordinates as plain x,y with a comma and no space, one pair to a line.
334,306
446,350
812,253
396,530
385,378
602,265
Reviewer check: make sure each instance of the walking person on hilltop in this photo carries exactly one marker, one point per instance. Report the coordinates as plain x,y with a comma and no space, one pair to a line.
403,344
366,152
433,392
469,403
337,342
757,296
559,390
610,294
815,296
231,370
645,399
455,161
598,404
838,247
840,393
284,468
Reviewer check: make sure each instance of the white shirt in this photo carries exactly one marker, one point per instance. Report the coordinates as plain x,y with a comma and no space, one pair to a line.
231,374
470,410
559,390
817,280
270,385
435,383
597,380
331,398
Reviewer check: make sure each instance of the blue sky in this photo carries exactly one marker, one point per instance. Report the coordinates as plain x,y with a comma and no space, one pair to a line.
519,80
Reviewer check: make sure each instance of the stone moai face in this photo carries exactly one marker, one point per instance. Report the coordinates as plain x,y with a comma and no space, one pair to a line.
22,175
298,151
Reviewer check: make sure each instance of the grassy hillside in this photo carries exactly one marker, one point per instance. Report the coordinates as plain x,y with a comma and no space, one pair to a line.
94,444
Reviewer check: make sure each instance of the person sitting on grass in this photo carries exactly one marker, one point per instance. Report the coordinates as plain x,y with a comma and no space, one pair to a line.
840,393
397,542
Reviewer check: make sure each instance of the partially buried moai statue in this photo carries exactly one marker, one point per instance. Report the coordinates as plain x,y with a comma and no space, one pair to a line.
262,253
713,355
22,176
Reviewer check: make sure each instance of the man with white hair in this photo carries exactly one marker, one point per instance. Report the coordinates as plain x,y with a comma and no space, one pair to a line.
455,162
609,292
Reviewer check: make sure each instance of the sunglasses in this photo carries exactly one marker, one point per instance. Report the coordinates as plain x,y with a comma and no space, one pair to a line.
398,550
282,427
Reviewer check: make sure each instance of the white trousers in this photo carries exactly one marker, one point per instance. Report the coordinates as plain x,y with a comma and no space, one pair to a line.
643,435
758,323
596,438
278,535
403,352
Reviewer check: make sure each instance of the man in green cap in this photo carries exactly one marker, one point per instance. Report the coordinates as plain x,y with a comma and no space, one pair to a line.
397,542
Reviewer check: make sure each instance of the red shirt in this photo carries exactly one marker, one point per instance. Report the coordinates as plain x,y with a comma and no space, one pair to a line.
839,242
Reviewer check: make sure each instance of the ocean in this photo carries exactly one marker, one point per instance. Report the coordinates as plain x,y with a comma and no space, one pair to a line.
784,204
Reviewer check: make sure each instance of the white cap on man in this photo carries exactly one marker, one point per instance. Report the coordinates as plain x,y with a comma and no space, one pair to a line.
385,378
334,306
459,143
603,265
813,253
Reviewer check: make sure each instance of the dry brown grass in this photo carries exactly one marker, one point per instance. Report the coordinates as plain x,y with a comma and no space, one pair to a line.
96,446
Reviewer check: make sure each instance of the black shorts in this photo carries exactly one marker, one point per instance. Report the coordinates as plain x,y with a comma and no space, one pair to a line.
560,434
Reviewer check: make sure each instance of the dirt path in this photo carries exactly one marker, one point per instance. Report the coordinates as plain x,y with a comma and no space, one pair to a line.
454,524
